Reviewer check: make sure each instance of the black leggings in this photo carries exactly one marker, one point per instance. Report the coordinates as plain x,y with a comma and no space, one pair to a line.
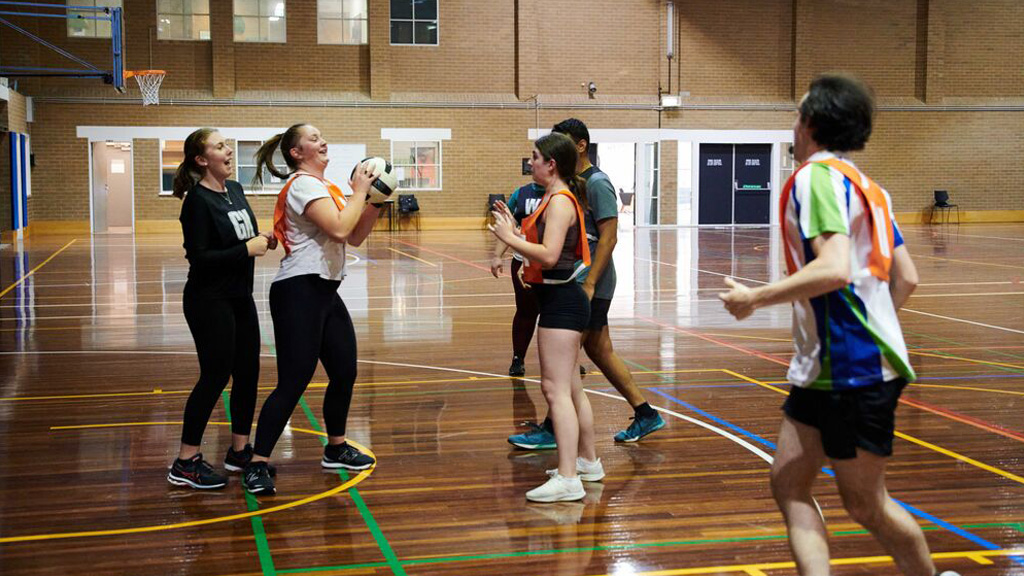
227,336
310,323
525,320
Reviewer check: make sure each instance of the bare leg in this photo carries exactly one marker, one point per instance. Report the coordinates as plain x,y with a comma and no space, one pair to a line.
598,346
797,461
585,416
862,485
558,349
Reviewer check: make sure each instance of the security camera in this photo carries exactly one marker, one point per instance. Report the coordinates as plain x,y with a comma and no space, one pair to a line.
591,89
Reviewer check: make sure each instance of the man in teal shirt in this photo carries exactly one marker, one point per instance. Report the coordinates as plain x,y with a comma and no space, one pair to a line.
602,220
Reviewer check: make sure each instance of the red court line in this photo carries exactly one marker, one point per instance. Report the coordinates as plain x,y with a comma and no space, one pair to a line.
696,334
443,255
969,420
945,413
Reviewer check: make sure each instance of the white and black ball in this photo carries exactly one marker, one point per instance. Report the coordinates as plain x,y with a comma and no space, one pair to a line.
386,182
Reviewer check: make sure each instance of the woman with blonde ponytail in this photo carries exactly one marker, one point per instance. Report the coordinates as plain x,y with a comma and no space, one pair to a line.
222,242
314,222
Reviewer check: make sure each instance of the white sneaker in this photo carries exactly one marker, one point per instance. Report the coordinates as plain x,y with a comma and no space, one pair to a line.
558,489
587,470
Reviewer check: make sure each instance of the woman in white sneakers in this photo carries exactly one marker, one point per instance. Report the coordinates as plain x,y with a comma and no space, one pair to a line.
554,253
313,222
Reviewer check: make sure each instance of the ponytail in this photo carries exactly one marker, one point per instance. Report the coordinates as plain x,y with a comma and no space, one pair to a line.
578,187
265,155
189,172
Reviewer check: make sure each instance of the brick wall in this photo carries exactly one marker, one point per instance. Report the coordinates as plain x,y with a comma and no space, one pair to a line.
917,53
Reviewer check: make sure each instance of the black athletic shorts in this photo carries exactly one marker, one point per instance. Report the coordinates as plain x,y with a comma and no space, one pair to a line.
562,306
863,417
599,313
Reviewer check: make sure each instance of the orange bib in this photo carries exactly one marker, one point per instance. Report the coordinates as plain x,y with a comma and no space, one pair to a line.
532,271
883,234
281,221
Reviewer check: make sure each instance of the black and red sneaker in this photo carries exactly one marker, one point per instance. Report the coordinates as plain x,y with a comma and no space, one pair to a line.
235,460
196,473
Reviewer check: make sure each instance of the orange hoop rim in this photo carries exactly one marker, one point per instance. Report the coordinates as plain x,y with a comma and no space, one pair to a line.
130,73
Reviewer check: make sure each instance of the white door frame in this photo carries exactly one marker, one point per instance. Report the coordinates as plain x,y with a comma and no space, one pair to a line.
131,179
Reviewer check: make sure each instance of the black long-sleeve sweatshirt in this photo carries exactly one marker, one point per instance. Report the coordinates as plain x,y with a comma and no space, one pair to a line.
216,226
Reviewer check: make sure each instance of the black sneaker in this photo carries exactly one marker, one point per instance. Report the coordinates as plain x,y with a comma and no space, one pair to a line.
345,456
236,460
196,473
518,368
256,479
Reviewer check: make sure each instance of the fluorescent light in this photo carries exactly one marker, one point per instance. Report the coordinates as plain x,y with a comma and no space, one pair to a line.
670,101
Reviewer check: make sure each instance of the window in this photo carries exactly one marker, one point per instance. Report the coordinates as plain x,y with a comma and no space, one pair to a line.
418,165
183,19
245,163
341,21
414,22
82,27
172,154
259,21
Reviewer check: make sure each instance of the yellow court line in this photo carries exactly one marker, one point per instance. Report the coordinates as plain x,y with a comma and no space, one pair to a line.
909,438
33,271
979,556
971,360
159,528
749,337
324,385
972,388
411,256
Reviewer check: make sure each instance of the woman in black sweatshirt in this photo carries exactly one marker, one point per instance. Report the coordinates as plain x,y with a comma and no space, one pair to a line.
221,244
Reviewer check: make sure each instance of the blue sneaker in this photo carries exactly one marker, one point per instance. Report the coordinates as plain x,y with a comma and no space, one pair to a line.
538,438
639,428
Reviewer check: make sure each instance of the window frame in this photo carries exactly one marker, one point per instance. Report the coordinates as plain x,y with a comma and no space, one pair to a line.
414,20
271,185
161,166
343,20
96,4
260,17
439,164
183,15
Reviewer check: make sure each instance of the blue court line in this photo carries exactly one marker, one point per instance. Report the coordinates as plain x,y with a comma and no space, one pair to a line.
913,510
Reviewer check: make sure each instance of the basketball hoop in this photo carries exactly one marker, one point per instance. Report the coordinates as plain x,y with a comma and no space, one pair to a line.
149,82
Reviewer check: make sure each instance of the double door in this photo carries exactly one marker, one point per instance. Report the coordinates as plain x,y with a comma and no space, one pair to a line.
735,183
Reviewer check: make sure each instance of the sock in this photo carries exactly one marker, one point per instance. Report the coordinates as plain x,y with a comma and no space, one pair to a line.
645,411
548,425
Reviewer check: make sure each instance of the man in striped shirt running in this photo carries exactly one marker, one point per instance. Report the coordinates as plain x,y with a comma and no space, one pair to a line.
848,274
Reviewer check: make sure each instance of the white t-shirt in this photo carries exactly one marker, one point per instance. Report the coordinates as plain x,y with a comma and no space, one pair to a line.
312,250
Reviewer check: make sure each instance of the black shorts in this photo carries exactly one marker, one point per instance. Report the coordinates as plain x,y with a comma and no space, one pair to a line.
562,306
599,313
863,417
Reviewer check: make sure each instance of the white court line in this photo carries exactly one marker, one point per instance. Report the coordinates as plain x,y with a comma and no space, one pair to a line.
700,270
1003,328
760,453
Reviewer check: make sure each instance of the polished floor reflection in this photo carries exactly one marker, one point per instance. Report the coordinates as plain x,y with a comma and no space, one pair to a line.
97,361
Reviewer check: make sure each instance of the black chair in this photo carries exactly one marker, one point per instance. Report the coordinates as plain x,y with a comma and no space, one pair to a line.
492,198
627,201
942,204
407,206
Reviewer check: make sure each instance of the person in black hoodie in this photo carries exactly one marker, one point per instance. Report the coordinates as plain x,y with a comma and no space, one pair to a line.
222,241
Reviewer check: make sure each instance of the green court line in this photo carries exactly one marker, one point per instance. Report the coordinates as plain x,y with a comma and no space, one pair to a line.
694,542
364,510
252,505
378,535
965,344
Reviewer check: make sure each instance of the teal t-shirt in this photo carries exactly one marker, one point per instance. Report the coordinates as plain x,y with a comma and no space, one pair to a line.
602,205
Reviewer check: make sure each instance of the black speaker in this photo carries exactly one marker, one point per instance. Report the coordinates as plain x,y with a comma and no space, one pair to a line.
526,167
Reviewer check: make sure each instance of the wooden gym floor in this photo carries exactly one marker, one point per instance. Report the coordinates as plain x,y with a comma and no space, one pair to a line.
97,362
